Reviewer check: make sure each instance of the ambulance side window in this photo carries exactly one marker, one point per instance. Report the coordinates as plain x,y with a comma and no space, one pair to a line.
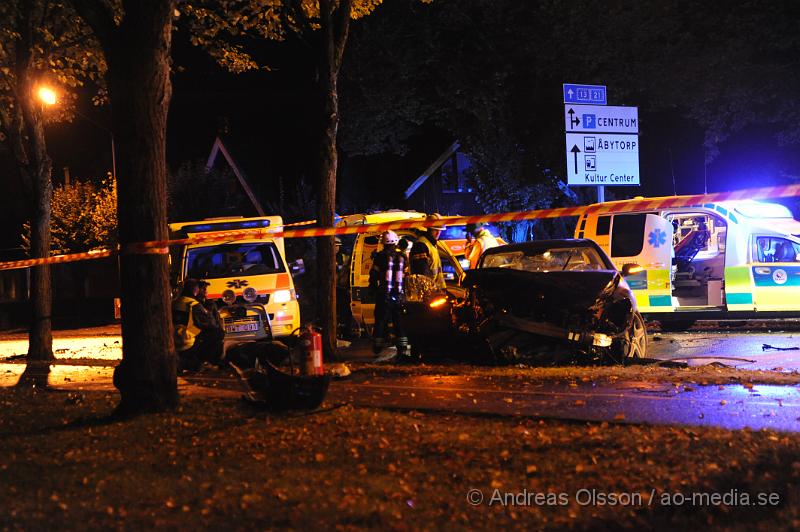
774,249
627,235
603,225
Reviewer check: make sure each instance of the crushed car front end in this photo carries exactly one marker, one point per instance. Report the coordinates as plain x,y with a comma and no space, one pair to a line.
549,316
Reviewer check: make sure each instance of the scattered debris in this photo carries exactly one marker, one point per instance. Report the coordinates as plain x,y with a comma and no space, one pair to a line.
338,370
272,389
712,357
767,347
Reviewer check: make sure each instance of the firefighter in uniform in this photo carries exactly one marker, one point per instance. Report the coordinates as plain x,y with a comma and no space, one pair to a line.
198,336
483,241
386,284
425,257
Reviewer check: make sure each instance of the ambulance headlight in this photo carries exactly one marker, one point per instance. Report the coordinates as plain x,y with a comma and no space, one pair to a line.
229,297
282,296
250,294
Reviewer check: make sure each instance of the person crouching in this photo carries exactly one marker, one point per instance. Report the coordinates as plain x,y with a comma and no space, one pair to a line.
198,336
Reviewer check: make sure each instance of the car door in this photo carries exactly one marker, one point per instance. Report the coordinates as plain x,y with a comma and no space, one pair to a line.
645,239
362,302
776,273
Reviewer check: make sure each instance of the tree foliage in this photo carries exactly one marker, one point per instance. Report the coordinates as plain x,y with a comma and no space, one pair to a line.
84,217
47,39
229,30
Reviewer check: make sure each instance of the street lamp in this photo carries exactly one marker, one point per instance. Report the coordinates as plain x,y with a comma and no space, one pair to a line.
48,97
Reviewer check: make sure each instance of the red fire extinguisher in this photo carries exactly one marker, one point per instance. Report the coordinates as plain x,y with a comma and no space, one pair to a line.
311,343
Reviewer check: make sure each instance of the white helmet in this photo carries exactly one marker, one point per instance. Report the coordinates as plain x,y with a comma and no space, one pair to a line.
389,238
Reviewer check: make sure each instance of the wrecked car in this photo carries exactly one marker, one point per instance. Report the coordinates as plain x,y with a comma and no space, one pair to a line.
551,302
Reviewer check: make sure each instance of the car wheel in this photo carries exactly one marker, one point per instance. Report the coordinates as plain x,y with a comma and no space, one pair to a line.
635,343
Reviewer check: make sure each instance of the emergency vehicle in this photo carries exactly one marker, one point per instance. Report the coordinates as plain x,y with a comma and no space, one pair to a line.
247,276
454,237
362,303
726,260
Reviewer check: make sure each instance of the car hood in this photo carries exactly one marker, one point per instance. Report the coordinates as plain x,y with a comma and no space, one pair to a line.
535,293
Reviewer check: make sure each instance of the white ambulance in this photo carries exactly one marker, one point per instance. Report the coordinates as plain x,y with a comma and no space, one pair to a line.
727,260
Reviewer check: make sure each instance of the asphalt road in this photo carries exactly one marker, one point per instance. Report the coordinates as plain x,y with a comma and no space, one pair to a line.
698,347
733,406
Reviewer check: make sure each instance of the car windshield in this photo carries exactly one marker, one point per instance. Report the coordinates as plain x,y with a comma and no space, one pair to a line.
576,258
229,260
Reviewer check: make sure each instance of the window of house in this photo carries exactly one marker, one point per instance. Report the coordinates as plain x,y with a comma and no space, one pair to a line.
449,174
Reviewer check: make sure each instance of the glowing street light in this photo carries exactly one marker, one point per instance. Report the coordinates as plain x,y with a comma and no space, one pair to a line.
47,95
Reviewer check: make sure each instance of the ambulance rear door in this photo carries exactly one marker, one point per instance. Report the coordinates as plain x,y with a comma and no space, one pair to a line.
362,302
644,239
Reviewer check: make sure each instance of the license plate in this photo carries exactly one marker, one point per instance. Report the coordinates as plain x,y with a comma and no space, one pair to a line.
244,327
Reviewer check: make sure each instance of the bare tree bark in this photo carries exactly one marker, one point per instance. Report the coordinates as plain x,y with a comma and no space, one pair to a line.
335,26
137,52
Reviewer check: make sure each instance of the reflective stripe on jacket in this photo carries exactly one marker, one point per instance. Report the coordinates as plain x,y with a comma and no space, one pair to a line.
435,259
186,330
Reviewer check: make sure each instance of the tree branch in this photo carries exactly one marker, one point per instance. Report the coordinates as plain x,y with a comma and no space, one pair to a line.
341,28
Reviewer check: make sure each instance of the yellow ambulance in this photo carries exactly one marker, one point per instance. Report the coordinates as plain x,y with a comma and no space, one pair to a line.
727,260
248,276
365,245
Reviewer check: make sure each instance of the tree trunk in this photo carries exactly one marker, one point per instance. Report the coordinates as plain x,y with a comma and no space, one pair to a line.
138,57
335,23
40,335
326,251
35,167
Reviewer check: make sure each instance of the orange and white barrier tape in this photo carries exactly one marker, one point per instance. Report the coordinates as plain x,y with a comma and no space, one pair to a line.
651,204
56,259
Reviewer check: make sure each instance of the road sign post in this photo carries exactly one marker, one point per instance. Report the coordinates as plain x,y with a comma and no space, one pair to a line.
602,141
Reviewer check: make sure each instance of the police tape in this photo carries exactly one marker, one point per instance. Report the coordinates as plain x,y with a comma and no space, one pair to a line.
636,204
650,204
57,259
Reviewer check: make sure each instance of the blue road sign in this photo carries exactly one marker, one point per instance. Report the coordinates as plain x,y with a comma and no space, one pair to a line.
585,94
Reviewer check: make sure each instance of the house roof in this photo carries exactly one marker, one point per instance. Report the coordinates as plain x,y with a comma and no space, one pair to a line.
218,148
418,182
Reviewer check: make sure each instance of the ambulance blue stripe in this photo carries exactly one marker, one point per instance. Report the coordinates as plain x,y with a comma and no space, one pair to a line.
791,277
637,281
739,299
660,301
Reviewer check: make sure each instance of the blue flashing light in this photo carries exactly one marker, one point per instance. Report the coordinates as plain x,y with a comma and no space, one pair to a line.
226,226
458,232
